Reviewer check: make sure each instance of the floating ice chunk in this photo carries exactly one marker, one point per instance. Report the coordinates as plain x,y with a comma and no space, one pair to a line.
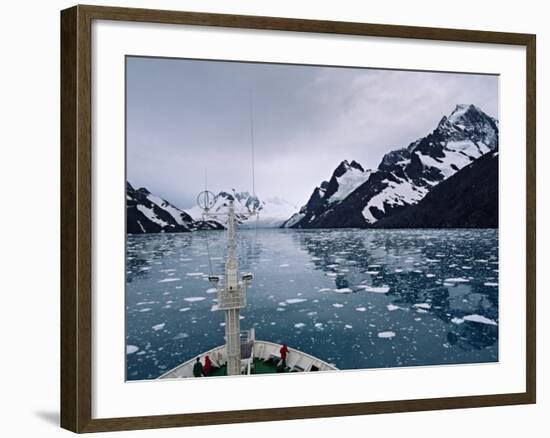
480,319
214,308
194,299
457,320
421,311
299,325
158,326
131,349
375,289
194,274
337,305
422,306
145,309
490,283
180,336
430,275
318,325
343,290
331,274
373,272
280,309
185,309
295,300
325,289
167,280
386,335
399,270
348,326
392,307
212,290
361,309
457,280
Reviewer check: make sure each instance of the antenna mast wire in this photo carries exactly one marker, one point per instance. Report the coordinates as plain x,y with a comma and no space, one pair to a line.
252,143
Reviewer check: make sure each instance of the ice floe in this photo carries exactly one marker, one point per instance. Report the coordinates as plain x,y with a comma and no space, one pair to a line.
343,290
392,307
168,280
375,289
131,349
422,306
337,305
194,299
361,309
490,283
386,335
158,326
480,319
299,325
457,280
295,300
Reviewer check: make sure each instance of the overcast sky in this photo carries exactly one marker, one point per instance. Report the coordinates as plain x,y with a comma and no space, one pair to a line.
186,117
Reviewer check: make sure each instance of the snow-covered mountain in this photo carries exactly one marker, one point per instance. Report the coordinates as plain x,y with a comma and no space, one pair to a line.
148,213
404,176
345,179
272,212
469,198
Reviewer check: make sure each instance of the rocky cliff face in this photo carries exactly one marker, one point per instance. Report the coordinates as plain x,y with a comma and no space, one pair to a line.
354,197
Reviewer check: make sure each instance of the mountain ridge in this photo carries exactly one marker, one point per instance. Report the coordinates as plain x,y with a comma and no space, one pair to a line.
405,175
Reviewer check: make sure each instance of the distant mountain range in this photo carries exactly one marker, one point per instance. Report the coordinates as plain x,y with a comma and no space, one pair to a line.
273,212
449,178
354,197
149,213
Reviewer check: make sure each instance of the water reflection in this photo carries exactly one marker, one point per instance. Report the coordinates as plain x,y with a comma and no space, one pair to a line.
358,298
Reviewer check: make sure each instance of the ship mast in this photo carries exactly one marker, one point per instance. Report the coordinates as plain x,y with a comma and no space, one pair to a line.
231,295
232,298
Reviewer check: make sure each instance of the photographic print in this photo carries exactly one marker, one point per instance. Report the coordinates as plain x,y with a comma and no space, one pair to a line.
298,218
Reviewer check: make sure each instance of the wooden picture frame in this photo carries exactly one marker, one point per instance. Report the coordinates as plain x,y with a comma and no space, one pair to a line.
76,217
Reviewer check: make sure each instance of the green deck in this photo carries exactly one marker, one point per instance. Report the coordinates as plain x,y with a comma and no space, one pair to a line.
260,367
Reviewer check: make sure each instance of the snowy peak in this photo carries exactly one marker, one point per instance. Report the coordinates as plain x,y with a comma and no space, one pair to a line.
148,213
272,212
357,198
345,167
345,179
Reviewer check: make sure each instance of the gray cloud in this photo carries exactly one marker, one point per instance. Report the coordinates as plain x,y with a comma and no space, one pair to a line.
186,116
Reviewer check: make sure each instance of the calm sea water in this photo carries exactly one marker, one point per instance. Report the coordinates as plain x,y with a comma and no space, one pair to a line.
355,298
